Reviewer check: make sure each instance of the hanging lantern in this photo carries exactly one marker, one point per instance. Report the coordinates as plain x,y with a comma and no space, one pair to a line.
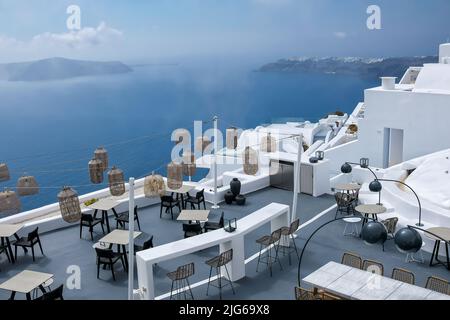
250,161
4,172
27,186
96,171
174,176
232,138
189,166
268,143
101,154
181,136
9,202
201,143
69,204
154,186
116,182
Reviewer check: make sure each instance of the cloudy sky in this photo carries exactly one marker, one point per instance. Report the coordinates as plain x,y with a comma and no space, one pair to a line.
150,30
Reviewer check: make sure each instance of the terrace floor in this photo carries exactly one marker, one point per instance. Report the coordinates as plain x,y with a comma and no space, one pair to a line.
63,249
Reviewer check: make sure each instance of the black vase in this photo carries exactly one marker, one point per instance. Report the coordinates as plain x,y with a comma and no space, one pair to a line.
235,187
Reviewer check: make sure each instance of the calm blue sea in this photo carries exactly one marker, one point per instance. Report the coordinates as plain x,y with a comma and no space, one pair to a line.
50,129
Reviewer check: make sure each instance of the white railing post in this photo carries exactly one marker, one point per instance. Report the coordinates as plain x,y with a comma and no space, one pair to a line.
297,177
131,239
215,205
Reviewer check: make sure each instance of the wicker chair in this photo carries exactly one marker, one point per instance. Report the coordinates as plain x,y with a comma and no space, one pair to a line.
403,275
352,260
218,263
438,285
269,242
329,296
304,294
180,279
391,225
345,203
373,266
288,234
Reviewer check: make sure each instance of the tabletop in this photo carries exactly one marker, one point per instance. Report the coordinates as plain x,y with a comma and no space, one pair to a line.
371,209
8,230
358,284
184,189
26,281
193,215
117,236
442,232
348,186
104,204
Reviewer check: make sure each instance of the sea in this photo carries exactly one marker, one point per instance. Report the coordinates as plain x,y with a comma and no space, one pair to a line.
50,129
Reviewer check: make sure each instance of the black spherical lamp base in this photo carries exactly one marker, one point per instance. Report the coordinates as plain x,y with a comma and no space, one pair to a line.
374,232
408,240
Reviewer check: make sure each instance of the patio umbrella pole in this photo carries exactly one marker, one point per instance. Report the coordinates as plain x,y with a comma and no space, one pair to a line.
297,177
215,205
131,240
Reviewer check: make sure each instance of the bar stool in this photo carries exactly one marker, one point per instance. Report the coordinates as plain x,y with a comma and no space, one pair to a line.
269,242
352,224
218,262
288,234
180,280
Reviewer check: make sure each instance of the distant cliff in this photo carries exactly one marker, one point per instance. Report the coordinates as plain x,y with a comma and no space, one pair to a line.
394,67
58,68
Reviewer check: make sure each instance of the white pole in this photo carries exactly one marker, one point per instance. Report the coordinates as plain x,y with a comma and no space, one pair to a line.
215,205
131,240
297,177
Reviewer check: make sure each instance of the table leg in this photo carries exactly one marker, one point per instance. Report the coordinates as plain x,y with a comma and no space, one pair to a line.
8,244
446,253
105,217
183,206
95,213
13,295
41,287
124,248
28,296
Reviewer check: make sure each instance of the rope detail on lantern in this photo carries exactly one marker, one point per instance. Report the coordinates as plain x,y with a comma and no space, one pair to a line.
69,204
116,181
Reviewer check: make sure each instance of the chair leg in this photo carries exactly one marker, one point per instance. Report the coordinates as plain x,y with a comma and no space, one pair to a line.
81,227
32,252
171,212
259,257
112,271
40,246
295,246
160,211
171,290
138,223
15,253
209,280
204,204
189,286
98,270
219,278
229,279
103,228
92,233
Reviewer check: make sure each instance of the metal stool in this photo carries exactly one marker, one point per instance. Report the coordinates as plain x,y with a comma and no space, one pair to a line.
218,262
180,280
288,234
352,223
269,242
416,256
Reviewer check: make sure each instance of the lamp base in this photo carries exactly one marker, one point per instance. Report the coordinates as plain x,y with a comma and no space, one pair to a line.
420,224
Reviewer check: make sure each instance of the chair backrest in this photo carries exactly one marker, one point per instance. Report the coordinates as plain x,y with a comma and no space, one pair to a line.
200,194
403,275
225,257
166,199
104,253
352,260
192,227
304,294
222,220
373,266
185,271
148,244
390,224
438,285
275,236
33,234
342,199
87,217
56,294
294,226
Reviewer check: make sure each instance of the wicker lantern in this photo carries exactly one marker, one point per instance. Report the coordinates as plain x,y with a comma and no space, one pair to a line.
9,202
268,143
181,136
102,155
27,186
116,182
201,143
96,171
189,166
174,175
250,161
232,138
69,204
4,172
154,186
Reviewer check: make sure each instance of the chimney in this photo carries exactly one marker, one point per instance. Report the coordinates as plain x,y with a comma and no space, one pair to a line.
388,83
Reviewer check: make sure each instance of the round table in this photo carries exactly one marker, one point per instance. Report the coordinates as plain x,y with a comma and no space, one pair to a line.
444,233
348,186
370,209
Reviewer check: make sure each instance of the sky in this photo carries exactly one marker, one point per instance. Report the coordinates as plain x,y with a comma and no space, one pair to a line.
169,30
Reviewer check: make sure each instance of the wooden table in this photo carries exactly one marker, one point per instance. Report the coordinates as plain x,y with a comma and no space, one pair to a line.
119,238
444,233
370,209
193,215
7,231
352,283
25,282
181,191
348,187
104,205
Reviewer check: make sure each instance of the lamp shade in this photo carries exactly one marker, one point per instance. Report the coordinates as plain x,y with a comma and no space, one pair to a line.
346,168
154,186
375,186
27,186
96,171
374,232
181,136
174,175
4,172
232,138
116,182
69,204
9,202
250,161
408,240
364,162
101,154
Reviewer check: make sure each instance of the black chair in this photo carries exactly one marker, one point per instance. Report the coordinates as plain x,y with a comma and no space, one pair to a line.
122,219
214,225
192,229
53,295
90,222
29,242
107,258
217,263
197,200
4,248
146,245
169,203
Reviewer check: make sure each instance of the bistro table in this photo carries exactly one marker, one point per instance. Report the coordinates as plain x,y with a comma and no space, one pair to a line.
7,231
25,282
104,205
120,238
348,187
370,209
357,284
193,215
444,233
181,192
